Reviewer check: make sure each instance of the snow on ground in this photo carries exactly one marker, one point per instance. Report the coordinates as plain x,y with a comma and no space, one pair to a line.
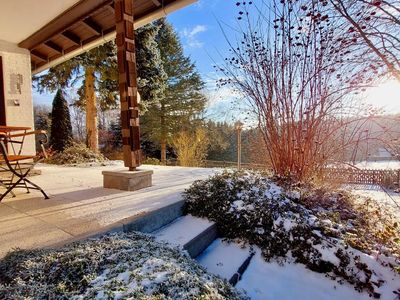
223,258
269,280
265,281
80,206
379,164
182,230
389,200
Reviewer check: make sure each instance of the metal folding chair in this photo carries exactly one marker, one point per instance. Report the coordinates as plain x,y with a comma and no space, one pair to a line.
16,165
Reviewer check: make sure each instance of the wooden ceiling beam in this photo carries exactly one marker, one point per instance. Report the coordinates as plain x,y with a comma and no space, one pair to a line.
87,23
72,37
156,2
92,26
54,46
38,56
111,9
75,14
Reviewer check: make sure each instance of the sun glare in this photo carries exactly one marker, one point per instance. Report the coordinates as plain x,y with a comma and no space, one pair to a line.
385,95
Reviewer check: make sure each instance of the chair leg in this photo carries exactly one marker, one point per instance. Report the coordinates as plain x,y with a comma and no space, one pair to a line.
22,177
27,188
9,189
3,185
37,187
19,167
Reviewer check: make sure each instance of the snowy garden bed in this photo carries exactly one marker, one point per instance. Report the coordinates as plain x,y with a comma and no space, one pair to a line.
117,266
351,242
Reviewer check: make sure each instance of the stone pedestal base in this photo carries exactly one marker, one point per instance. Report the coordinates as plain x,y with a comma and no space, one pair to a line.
127,180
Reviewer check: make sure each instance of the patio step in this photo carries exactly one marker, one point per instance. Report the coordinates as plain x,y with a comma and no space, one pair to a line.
191,233
154,220
223,258
167,224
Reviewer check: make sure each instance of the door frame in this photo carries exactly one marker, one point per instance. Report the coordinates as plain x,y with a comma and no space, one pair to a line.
2,96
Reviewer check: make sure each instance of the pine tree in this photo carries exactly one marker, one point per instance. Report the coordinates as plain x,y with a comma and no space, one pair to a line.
61,129
223,147
115,128
98,69
151,76
182,102
168,83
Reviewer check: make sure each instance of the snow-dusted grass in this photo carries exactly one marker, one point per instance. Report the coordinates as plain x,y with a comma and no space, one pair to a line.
387,200
304,225
379,164
119,266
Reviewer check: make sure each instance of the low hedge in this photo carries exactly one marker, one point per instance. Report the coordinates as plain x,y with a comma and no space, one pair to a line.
291,228
117,266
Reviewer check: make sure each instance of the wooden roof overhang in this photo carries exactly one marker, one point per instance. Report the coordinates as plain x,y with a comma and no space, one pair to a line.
86,25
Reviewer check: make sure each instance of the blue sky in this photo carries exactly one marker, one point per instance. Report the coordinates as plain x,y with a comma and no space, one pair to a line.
198,27
203,40
200,33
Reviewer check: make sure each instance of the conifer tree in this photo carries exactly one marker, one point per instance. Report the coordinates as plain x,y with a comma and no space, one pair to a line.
61,129
97,73
151,76
96,70
168,83
182,102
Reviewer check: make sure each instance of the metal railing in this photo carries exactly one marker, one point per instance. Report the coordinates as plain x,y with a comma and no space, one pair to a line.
217,164
386,178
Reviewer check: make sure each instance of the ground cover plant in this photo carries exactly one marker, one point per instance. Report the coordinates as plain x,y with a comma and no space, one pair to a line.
330,232
117,266
76,153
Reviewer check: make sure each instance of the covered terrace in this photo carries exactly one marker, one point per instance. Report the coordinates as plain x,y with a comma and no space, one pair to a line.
35,35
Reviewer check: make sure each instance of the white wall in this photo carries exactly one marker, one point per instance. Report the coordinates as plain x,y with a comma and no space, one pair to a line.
17,61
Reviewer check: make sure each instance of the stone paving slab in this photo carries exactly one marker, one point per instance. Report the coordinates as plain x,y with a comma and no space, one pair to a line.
80,206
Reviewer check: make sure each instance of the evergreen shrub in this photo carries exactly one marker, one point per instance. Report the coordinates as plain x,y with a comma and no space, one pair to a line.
301,224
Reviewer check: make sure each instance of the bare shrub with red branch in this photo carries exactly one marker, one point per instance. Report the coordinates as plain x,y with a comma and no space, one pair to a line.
374,26
298,67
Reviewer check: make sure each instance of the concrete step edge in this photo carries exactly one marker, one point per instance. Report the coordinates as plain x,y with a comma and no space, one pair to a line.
201,241
151,221
155,219
145,222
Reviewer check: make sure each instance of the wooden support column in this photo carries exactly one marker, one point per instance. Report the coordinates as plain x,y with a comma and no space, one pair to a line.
128,83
